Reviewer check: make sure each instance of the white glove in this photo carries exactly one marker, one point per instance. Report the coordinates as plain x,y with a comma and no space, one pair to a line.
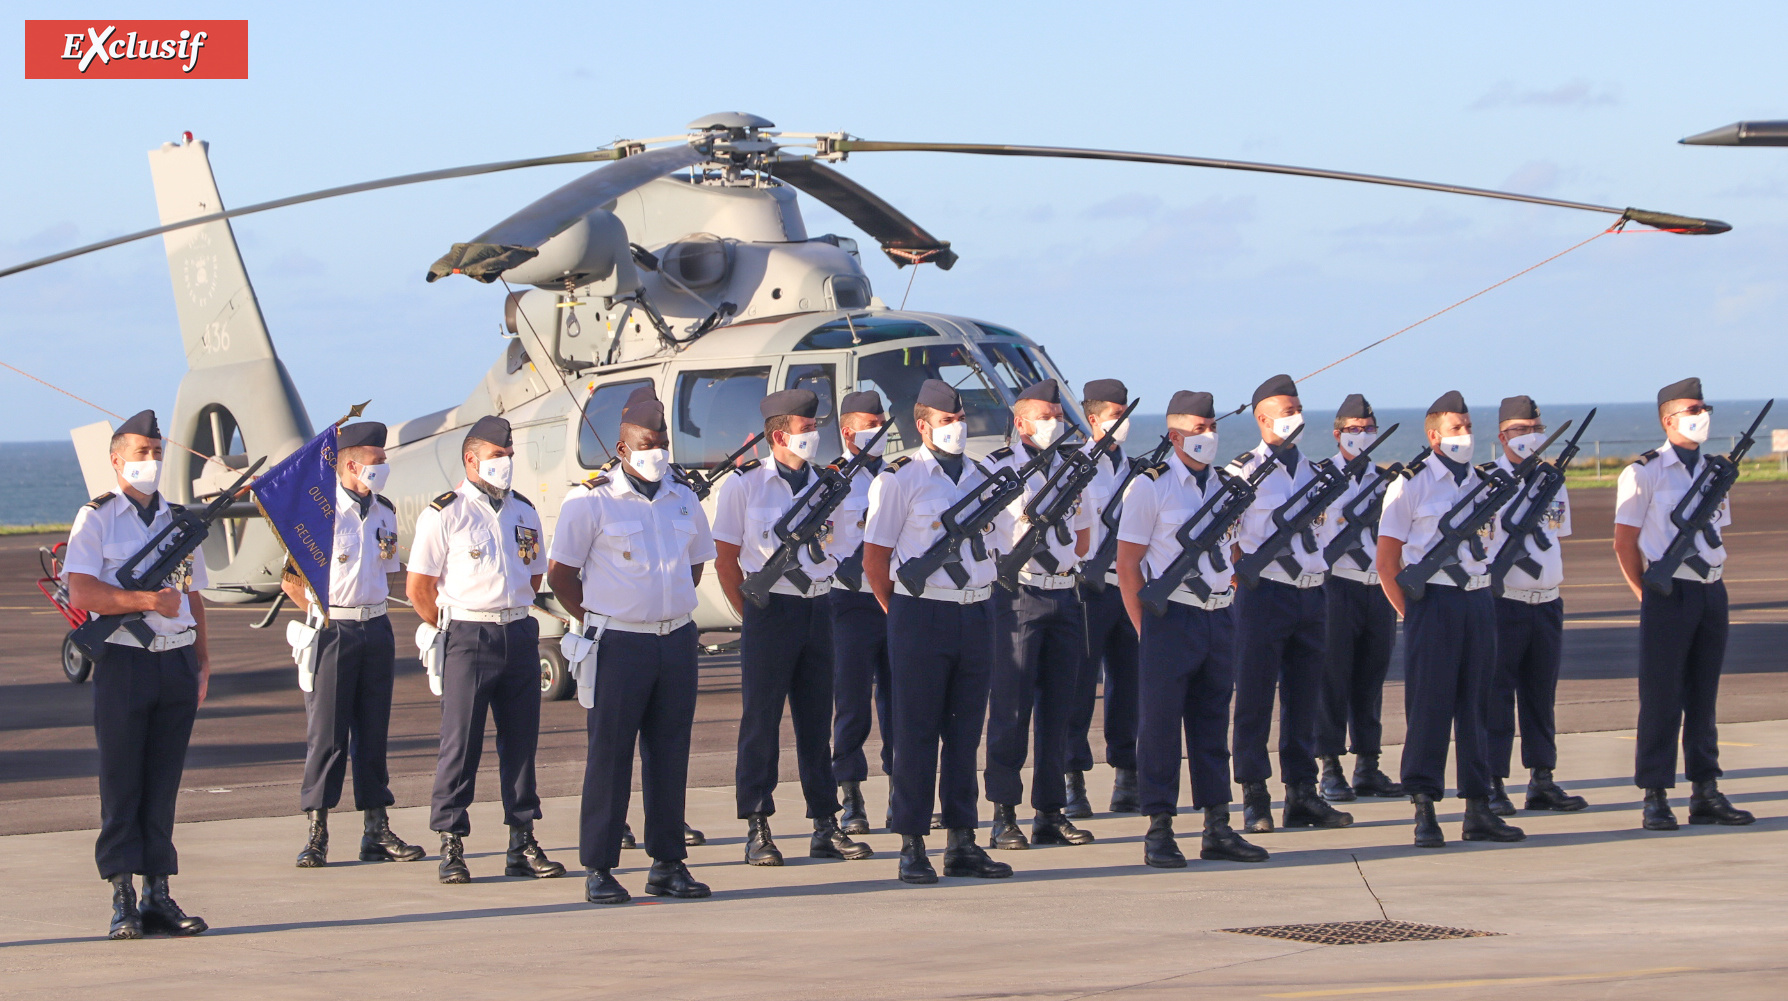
431,646
303,640
580,652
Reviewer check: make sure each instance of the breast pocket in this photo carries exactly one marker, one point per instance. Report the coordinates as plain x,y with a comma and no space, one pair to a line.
760,526
623,543
684,531
472,552
924,523
347,547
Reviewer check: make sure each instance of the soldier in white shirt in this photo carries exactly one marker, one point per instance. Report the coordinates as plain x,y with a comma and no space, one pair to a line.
476,563
144,698
1279,634
1529,627
940,642
1682,635
1449,636
785,648
1187,667
626,559
348,706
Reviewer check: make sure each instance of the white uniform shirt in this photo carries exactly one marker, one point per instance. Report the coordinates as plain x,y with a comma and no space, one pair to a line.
107,532
1555,525
1155,509
1646,495
1334,519
635,554
1098,493
904,509
365,550
1414,505
749,504
1013,523
483,557
1256,523
851,517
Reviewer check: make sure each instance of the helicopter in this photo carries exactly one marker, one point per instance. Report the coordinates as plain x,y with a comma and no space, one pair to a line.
682,263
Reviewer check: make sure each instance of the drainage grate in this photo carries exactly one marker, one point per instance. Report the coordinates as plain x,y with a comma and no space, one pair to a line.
1360,932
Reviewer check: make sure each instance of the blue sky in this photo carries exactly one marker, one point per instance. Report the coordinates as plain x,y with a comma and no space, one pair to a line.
1167,277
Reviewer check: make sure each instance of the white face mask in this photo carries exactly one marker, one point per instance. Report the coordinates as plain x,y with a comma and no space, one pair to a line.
804,444
1456,448
1044,431
1355,442
1524,444
497,472
650,463
950,438
1121,435
862,441
374,477
1284,426
1201,447
143,475
1694,428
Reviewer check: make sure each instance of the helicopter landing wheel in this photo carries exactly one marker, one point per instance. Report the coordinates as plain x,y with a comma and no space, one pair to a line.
556,683
75,664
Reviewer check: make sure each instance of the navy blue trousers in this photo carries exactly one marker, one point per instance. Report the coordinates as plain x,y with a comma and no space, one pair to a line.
143,708
1187,672
1039,651
492,669
645,695
1112,652
859,684
785,656
1529,648
940,656
1682,646
348,715
1449,652
1361,630
1278,645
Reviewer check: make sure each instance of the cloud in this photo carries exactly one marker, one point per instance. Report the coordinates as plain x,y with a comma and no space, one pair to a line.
1430,223
1535,177
1577,93
1767,188
1132,205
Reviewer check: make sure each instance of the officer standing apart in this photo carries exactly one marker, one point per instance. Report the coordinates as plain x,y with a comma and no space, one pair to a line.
144,698
1360,628
626,558
1529,629
348,706
1040,644
1110,635
1682,635
1449,636
475,567
785,648
859,626
1279,634
1187,667
940,643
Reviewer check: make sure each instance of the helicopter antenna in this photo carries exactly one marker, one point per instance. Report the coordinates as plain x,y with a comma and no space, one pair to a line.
558,372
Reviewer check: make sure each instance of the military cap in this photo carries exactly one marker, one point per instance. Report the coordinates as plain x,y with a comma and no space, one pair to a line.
492,429
1355,407
143,424
1450,402
866,402
1049,391
643,410
1278,385
1687,389
939,395
1518,408
1107,391
1192,404
363,433
789,403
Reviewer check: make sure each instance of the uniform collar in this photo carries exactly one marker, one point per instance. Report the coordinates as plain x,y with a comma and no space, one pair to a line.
472,492
1117,458
346,498
146,512
1458,472
1292,456
1182,471
1667,455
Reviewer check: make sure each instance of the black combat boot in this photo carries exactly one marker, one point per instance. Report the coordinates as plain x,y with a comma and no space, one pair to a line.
759,848
914,866
1482,823
1005,834
1257,808
1159,848
379,844
126,921
1544,794
1334,781
1427,829
1077,805
161,916
1304,807
1708,805
315,853
1499,799
670,878
453,860
1222,843
1052,827
1368,780
526,857
627,838
831,842
692,838
601,887
962,857
1123,791
855,819
1657,811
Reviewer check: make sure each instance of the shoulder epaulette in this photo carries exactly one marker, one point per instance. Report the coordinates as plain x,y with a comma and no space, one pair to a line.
1485,467
749,466
518,495
445,499
1000,454
610,464
1242,460
1154,472
1644,457
596,481
899,463
382,499
174,508
99,502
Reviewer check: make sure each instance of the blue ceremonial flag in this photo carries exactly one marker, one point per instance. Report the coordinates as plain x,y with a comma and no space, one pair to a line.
297,497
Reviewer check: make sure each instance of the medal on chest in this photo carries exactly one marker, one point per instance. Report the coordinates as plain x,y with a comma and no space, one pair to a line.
527,543
1555,515
387,544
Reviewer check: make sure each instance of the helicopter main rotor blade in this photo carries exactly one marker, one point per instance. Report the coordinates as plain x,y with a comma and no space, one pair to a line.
1742,134
903,240
1660,220
346,189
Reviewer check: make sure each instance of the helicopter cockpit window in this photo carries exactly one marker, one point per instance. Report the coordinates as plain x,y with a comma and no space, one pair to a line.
855,330
896,374
716,411
603,410
1011,365
820,379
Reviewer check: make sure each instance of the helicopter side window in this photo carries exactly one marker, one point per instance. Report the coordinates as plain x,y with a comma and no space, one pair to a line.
716,411
853,331
1011,365
603,413
820,379
897,374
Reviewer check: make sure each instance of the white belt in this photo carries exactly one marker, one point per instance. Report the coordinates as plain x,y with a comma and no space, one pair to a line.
1472,583
1046,581
1713,574
963,596
1302,582
473,615
358,613
783,586
1221,599
1538,596
1356,574
160,644
664,628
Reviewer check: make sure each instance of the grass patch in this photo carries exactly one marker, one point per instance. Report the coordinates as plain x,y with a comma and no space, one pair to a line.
1583,477
32,529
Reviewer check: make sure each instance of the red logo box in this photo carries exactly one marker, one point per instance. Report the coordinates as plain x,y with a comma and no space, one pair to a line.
136,50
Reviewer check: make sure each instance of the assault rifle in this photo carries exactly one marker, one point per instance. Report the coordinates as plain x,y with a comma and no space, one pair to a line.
1093,570
1048,510
165,553
963,522
1486,497
1292,519
1546,480
703,483
803,526
1232,498
1695,513
1362,510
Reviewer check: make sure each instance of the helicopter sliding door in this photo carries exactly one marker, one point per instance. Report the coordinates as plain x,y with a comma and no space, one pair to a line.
896,373
714,411
597,430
